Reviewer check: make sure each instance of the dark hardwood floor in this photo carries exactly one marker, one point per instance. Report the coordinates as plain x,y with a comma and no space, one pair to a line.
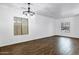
55,45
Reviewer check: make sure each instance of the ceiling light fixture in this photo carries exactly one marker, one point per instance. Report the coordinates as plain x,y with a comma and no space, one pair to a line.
31,13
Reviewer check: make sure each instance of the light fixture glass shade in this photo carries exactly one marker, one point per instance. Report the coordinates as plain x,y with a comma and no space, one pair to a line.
28,12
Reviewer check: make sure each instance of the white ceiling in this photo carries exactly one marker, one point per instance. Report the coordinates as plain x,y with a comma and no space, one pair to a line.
55,10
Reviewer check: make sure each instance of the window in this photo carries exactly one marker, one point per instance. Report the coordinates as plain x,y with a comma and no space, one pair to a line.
20,26
65,26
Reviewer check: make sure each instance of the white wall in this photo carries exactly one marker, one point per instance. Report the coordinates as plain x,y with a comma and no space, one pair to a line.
39,27
74,27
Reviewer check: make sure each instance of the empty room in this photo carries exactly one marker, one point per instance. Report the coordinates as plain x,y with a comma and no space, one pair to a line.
39,28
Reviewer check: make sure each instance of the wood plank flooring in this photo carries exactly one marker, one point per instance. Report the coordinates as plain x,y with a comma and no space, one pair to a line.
54,45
